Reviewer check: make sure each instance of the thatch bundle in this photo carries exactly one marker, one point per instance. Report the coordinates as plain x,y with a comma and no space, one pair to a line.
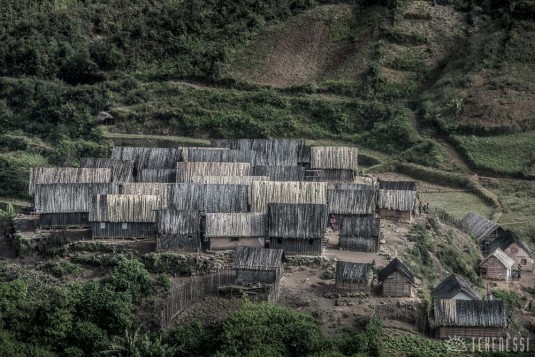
257,258
264,192
42,175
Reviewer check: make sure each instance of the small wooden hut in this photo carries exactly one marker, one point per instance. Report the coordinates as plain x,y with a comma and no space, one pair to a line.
397,199
209,198
148,157
353,276
258,265
231,230
42,175
397,280
178,230
497,266
515,248
281,173
470,318
218,155
264,192
352,202
482,229
187,170
456,288
124,216
157,175
148,188
121,170
334,157
360,233
299,229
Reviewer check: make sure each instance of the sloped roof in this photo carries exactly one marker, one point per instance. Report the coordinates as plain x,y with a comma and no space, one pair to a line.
397,185
453,285
502,257
178,222
396,265
505,239
470,313
397,195
297,220
257,258
353,272
352,201
360,226
479,227
124,208
121,170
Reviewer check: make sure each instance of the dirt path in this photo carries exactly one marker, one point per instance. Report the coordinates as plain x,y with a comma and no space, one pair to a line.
456,157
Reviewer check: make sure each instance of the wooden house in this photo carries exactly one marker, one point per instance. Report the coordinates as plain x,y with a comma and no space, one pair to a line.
456,288
148,188
42,175
397,280
209,198
515,248
187,170
231,230
268,152
178,230
333,163
258,265
482,229
497,266
218,155
148,157
353,276
330,175
121,170
397,199
470,318
124,216
67,204
360,233
352,202
281,173
229,180
157,175
264,192
299,229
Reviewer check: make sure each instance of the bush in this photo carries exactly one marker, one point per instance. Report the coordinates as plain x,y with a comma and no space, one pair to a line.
130,276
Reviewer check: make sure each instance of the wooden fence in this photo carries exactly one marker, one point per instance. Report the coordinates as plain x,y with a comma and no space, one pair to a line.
450,219
411,313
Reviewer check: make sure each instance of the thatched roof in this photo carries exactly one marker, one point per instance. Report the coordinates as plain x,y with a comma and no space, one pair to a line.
218,155
393,266
121,170
148,157
350,186
352,201
69,197
452,286
330,175
333,157
264,192
304,221
479,227
41,175
348,272
503,258
505,239
171,222
268,152
228,180
186,170
148,188
257,258
470,313
281,173
363,226
236,225
210,198
397,195
157,175
124,208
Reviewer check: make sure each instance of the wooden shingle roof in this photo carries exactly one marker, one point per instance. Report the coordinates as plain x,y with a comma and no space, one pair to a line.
505,239
121,170
248,224
502,257
353,202
299,220
397,195
257,258
360,226
393,266
124,208
353,272
178,222
452,286
479,227
470,313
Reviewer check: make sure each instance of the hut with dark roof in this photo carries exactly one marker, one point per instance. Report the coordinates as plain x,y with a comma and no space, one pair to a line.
470,318
178,230
231,230
209,198
148,157
397,280
456,288
121,170
333,163
360,234
482,229
124,216
353,276
264,192
497,266
157,175
268,152
258,265
352,202
281,173
299,229
42,175
397,199
515,248
187,170
148,188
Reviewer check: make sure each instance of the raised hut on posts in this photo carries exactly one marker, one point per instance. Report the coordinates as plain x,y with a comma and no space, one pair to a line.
482,229
397,280
353,276
397,199
178,230
231,230
360,234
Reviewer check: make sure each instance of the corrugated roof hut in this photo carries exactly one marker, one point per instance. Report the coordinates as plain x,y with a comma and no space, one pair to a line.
353,276
334,157
352,202
121,170
210,198
299,229
148,188
456,288
397,280
281,173
124,216
330,175
360,233
397,199
258,265
148,157
67,204
497,266
42,175
178,230
230,230
482,229
218,155
264,192
470,318
515,248
268,152
186,170
157,175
